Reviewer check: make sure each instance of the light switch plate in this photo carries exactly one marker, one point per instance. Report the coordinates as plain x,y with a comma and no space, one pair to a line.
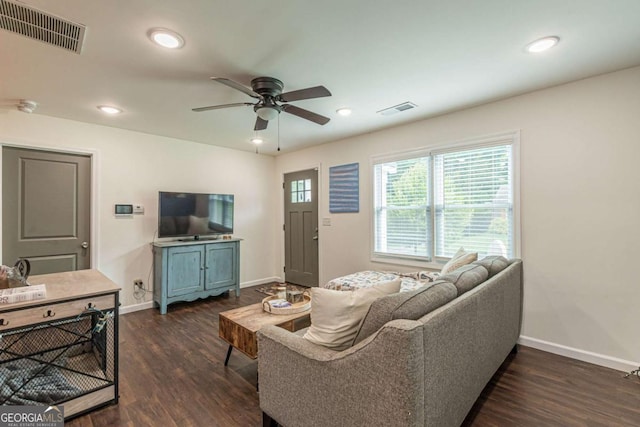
326,221
138,209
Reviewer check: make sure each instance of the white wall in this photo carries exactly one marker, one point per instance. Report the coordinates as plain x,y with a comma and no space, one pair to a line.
579,167
579,154
132,167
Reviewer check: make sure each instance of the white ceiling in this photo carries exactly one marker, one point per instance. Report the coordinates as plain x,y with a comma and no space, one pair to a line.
441,55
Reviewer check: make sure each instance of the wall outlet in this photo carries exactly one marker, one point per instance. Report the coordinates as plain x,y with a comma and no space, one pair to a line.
138,283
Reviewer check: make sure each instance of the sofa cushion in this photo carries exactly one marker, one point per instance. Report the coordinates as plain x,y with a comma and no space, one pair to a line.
458,260
336,315
494,264
405,305
467,277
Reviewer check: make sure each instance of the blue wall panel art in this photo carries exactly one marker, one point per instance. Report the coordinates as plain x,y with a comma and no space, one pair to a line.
344,188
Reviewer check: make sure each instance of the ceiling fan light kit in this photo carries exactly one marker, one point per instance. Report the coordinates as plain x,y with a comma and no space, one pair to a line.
271,101
267,113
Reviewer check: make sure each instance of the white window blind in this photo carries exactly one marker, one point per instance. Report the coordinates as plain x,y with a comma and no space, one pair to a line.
402,208
474,201
431,204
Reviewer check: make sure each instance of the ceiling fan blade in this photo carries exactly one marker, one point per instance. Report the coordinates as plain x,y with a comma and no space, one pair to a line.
261,124
305,114
308,93
237,86
217,107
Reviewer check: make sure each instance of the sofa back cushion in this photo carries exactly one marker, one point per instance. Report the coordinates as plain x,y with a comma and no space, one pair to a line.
336,315
405,305
466,277
494,264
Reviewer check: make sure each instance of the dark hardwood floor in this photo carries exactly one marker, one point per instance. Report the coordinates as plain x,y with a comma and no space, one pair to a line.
172,373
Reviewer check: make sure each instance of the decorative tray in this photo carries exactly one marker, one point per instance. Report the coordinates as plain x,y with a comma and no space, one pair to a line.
293,308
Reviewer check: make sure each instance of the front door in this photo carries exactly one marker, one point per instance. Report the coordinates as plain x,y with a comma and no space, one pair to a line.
46,210
301,227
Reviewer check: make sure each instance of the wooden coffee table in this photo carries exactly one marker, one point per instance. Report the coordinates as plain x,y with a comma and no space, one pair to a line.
238,327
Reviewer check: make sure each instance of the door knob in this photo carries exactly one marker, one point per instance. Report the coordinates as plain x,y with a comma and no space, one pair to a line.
84,245
315,237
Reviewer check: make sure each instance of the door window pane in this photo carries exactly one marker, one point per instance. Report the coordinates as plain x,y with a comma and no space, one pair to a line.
301,191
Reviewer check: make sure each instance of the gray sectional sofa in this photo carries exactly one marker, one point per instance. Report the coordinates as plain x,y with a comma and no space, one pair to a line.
420,358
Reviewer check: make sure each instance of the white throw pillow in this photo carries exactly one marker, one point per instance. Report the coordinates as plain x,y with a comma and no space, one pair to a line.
336,315
458,260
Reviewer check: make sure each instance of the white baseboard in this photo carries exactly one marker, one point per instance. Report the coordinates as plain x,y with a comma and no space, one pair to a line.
136,307
149,304
260,282
574,353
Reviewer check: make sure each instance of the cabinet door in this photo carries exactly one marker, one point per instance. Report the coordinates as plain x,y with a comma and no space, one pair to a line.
221,269
185,270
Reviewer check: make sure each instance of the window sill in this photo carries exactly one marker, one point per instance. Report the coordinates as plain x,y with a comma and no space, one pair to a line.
405,262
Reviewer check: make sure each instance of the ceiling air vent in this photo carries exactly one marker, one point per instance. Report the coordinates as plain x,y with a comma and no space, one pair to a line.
397,108
38,25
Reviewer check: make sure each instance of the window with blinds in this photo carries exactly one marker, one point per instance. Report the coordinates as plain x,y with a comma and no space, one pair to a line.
474,201
402,208
430,205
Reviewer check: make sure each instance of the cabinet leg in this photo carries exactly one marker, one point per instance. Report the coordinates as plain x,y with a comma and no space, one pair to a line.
226,360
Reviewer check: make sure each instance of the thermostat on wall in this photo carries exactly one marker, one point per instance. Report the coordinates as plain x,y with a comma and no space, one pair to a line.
124,210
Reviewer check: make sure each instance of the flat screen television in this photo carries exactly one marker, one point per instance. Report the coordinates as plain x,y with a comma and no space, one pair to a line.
194,214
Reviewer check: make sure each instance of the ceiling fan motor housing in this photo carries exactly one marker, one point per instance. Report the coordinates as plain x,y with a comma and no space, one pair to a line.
267,86
269,89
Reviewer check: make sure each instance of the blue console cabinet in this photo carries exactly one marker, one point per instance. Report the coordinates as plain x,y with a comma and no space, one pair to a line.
186,271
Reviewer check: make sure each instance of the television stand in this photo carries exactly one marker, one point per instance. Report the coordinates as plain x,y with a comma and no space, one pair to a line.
189,270
197,238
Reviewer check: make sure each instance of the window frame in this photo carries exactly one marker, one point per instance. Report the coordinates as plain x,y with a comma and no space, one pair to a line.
505,138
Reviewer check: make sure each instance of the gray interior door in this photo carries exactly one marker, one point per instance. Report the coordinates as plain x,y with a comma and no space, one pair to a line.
46,208
301,227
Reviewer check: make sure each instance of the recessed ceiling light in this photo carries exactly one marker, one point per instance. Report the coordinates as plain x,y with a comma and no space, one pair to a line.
109,109
542,44
166,38
257,141
344,111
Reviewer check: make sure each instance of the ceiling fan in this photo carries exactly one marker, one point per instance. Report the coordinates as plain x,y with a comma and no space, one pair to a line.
268,92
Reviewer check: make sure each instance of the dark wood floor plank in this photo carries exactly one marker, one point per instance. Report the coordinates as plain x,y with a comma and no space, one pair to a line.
536,388
172,373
